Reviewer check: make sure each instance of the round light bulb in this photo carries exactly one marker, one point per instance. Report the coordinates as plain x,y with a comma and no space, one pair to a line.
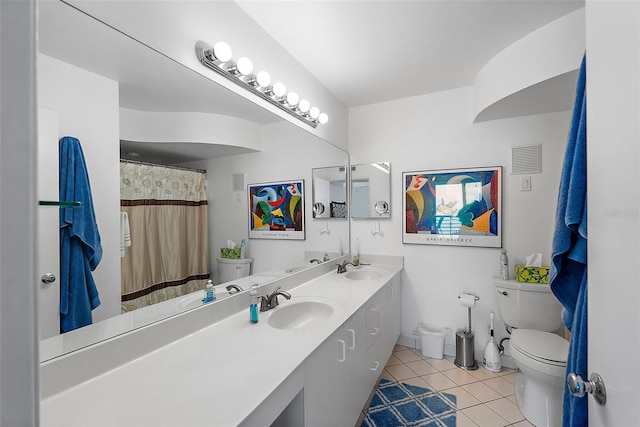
314,112
222,52
263,79
323,118
244,66
304,106
279,89
292,99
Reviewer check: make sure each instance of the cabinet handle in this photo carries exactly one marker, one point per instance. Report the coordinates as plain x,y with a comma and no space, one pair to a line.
353,339
374,307
375,331
377,366
344,351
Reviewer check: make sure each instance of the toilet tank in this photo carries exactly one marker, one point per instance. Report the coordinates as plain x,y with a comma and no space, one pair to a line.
528,306
232,268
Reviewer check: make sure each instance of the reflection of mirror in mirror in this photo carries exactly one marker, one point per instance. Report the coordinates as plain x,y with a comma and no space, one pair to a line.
318,209
330,189
381,207
116,95
370,190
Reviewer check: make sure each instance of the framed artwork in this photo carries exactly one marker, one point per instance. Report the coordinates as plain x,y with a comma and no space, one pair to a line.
453,207
276,210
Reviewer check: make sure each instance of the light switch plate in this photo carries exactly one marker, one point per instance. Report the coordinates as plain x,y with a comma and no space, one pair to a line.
525,183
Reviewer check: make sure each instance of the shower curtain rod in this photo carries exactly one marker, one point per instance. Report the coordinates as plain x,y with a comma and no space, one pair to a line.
184,168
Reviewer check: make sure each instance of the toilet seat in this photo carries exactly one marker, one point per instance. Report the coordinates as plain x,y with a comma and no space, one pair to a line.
543,347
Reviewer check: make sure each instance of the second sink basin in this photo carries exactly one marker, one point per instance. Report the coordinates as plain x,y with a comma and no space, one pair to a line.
365,274
299,314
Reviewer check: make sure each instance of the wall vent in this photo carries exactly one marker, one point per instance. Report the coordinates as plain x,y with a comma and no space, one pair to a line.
526,160
237,182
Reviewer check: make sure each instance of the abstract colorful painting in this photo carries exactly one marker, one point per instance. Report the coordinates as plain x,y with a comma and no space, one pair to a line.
454,207
276,210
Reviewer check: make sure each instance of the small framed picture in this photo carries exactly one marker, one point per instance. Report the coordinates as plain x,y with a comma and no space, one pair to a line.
276,210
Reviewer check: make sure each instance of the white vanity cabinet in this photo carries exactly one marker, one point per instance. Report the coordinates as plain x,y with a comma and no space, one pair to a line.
392,312
384,324
343,370
335,379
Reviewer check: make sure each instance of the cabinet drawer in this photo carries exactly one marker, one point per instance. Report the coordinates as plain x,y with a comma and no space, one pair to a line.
373,330
373,307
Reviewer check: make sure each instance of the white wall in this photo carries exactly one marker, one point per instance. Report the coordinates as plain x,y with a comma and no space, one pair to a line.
436,132
87,106
289,154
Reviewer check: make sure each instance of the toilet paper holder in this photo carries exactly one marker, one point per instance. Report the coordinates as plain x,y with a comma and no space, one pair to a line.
467,300
464,338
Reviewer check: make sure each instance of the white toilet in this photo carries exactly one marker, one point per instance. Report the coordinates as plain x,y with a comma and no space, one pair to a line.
232,268
534,313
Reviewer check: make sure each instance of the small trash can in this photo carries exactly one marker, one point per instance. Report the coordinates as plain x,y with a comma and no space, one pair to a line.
432,340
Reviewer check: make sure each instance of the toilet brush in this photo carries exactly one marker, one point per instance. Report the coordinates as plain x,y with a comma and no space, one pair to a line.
492,359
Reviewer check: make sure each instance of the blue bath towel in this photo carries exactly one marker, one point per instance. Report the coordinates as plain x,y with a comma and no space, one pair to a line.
80,248
568,276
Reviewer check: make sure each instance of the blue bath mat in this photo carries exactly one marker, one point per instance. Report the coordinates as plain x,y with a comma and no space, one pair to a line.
397,404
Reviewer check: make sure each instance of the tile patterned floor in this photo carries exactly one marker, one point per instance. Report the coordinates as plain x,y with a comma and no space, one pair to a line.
484,398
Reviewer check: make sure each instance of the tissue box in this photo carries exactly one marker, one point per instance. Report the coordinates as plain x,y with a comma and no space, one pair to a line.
528,274
230,253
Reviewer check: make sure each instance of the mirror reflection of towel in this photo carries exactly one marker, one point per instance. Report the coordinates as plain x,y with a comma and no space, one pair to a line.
125,234
80,246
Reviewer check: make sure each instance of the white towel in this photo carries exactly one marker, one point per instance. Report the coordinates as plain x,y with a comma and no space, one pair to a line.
125,234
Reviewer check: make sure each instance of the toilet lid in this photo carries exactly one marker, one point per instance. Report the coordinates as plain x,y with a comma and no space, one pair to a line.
543,346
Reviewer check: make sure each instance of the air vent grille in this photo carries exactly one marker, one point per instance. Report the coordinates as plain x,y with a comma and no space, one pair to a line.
526,160
237,182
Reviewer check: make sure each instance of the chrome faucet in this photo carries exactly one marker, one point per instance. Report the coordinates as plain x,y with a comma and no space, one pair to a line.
316,260
342,268
271,301
234,287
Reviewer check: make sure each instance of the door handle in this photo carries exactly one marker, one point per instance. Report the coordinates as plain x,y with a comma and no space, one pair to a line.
595,386
48,278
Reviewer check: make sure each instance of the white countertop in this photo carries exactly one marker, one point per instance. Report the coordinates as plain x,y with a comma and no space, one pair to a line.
216,376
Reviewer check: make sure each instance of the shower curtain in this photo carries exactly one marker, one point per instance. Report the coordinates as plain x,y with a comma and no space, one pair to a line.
167,218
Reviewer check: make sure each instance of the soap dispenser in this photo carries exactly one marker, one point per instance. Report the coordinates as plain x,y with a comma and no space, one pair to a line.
209,292
253,304
355,256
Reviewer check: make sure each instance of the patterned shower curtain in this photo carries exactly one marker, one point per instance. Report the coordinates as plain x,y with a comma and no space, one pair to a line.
167,224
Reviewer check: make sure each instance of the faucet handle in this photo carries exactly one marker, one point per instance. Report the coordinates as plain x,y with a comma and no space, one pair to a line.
264,303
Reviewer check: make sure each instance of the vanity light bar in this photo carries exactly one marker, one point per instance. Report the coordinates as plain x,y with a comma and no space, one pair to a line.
218,58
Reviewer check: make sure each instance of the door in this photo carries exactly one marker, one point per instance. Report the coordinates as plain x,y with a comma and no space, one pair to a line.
48,223
613,108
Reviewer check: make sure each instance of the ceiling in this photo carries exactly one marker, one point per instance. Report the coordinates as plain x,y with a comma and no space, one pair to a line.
367,51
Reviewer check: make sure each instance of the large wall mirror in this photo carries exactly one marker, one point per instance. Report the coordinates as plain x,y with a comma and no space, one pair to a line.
96,83
330,192
371,190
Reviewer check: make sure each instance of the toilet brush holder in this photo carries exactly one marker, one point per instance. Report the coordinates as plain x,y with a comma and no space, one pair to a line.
464,344
465,351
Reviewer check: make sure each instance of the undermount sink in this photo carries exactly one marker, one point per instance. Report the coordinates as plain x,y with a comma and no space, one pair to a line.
299,314
362,274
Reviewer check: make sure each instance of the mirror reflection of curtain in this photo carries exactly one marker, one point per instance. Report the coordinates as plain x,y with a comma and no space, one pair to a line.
167,213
